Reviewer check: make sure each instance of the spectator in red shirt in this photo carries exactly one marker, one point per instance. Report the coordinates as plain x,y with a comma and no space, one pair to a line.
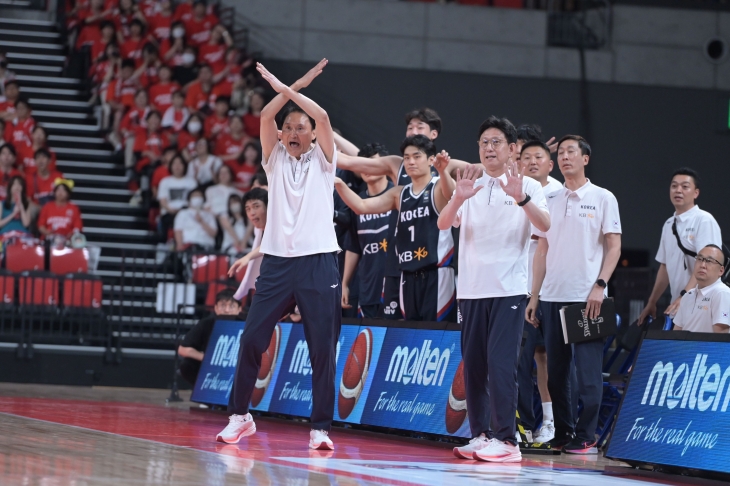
131,47
213,52
120,97
188,138
27,152
134,119
229,146
198,27
149,71
17,131
199,91
160,22
252,119
176,116
150,142
246,166
40,182
7,102
162,170
123,15
105,69
60,216
90,18
97,38
217,124
7,168
161,92
18,211
173,46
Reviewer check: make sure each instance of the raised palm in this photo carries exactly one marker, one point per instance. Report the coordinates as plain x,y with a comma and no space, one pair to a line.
465,182
277,85
513,187
307,79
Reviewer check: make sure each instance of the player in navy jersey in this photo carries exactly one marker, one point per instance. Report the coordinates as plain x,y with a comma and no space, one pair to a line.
424,252
367,244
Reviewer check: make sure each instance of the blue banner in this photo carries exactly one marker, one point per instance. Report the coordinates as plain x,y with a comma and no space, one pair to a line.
219,364
675,411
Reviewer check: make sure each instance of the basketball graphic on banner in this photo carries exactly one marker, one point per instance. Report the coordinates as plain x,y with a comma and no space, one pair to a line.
355,373
456,406
268,363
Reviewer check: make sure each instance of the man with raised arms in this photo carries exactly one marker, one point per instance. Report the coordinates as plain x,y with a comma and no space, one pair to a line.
495,206
299,263
424,252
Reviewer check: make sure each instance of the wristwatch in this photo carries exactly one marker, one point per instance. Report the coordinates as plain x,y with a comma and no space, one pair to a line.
601,283
681,294
525,201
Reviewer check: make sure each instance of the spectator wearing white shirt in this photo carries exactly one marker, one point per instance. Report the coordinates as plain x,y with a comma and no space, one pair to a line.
204,165
233,224
573,262
217,196
173,193
706,308
194,226
694,228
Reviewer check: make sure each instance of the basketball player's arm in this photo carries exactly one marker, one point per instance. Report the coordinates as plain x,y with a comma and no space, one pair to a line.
674,306
538,275
351,261
446,184
372,205
191,353
269,131
345,146
660,285
612,244
387,165
243,262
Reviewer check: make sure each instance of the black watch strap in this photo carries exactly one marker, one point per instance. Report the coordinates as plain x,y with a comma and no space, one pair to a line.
601,283
527,199
681,294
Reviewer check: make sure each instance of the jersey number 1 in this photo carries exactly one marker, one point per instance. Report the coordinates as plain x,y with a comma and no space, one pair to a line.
412,229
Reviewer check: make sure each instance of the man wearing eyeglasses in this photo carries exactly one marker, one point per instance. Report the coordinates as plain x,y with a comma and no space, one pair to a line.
495,206
706,308
688,230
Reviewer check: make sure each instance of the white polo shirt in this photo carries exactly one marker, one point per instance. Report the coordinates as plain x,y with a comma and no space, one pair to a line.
301,205
579,221
700,308
696,229
552,186
253,270
494,240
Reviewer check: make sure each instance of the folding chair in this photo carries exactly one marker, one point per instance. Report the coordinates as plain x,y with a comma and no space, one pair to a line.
81,315
207,268
69,260
21,257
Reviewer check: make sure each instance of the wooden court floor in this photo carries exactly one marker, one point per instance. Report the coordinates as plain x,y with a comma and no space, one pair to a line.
57,436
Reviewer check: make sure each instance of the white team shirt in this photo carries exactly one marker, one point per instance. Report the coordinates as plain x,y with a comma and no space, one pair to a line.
552,186
700,308
579,221
301,203
696,229
494,240
192,231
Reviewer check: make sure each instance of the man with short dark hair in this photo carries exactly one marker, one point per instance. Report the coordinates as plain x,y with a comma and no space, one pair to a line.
255,203
193,346
690,227
495,233
573,261
706,308
424,252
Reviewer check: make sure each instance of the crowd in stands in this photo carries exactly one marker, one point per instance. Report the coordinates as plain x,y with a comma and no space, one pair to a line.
182,105
35,197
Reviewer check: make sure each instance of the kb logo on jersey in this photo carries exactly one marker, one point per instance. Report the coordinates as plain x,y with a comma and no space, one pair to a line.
408,256
373,248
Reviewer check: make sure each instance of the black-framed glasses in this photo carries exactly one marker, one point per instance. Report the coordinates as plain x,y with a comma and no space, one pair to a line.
703,259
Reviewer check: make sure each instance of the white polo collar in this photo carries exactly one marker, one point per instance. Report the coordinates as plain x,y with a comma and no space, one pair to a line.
687,214
303,156
486,178
710,289
582,190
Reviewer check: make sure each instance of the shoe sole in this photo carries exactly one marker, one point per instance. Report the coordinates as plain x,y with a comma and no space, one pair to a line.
581,452
323,446
508,458
459,455
250,431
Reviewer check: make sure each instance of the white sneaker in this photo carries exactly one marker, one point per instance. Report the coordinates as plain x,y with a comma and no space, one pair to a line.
238,426
467,451
319,439
498,451
528,436
546,432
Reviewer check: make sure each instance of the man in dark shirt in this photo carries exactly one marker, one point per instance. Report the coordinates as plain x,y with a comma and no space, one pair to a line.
195,341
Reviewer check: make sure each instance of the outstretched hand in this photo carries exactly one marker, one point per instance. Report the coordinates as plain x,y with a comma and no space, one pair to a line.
277,85
307,79
513,187
442,161
552,145
465,182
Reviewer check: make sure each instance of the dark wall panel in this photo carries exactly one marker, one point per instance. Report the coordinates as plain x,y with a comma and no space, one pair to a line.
639,134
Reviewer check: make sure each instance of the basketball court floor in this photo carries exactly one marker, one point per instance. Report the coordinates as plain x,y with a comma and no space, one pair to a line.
56,436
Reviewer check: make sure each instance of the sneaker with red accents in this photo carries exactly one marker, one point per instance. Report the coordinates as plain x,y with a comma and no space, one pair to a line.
467,451
239,426
578,446
498,451
319,439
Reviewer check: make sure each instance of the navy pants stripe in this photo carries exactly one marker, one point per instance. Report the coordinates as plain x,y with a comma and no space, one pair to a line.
491,333
313,282
563,391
